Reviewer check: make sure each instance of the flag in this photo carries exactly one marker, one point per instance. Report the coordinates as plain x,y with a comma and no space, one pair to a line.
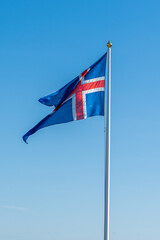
81,98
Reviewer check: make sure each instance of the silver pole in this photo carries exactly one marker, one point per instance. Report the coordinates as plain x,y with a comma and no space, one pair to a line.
107,147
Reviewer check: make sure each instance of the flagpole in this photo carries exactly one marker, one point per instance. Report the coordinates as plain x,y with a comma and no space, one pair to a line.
107,146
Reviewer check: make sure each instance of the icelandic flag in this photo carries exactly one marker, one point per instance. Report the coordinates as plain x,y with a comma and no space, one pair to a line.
81,98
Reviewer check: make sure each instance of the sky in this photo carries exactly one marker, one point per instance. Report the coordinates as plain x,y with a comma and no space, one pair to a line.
53,188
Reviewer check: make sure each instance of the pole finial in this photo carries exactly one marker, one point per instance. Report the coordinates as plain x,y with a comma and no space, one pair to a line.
109,44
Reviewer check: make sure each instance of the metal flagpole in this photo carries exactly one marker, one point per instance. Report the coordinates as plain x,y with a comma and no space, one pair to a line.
107,147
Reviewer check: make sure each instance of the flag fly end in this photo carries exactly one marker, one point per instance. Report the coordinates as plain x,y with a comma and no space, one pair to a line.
25,139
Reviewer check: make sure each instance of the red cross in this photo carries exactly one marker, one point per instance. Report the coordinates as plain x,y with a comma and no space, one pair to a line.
79,90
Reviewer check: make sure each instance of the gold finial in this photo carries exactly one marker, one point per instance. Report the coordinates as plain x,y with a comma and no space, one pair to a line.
109,44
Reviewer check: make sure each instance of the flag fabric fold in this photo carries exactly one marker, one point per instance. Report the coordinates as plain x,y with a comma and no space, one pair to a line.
58,97
81,98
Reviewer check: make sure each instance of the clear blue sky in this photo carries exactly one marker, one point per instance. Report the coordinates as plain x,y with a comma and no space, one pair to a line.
52,188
